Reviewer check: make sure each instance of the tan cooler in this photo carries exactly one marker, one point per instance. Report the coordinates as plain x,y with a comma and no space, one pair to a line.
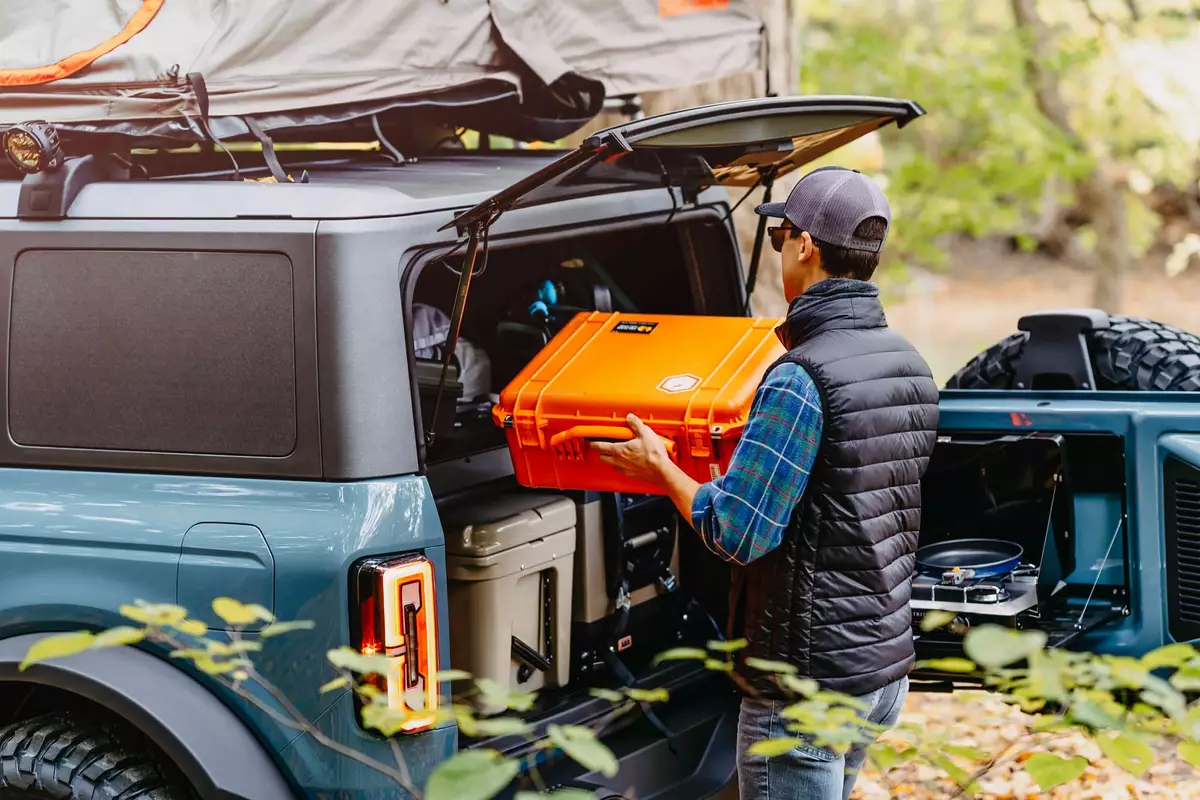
509,562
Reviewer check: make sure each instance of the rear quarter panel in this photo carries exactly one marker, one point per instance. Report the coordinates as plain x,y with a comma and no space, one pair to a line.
75,546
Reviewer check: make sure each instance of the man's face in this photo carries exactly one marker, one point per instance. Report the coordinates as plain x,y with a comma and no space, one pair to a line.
799,259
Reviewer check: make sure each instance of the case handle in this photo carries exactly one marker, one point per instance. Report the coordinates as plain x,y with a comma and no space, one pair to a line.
582,432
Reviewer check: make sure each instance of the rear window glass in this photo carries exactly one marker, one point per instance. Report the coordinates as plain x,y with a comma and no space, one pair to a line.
172,352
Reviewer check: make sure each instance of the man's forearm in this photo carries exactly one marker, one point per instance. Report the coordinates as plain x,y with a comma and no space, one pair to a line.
680,488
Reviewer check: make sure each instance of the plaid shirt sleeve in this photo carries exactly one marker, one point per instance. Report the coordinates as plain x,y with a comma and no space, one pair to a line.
743,514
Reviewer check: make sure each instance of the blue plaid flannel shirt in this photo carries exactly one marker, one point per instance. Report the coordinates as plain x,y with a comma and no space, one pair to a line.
742,515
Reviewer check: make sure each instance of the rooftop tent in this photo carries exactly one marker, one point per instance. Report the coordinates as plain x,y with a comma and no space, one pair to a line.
529,68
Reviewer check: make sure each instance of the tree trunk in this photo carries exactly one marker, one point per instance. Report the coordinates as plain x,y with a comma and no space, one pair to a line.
1099,196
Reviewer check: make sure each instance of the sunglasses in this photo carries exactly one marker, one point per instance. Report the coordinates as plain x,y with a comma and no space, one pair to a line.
779,235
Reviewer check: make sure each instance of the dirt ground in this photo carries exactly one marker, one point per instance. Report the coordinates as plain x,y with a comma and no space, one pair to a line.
951,316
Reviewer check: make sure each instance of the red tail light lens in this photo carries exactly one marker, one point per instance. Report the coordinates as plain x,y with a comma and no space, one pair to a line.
398,618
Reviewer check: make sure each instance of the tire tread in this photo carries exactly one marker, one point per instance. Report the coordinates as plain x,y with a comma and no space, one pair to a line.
65,756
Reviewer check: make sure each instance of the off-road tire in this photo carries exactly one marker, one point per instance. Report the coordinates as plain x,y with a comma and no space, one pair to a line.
1133,354
66,756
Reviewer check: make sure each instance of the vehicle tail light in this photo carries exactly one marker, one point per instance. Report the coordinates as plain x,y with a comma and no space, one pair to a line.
398,618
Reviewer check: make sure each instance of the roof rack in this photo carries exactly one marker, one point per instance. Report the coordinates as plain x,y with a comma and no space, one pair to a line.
50,193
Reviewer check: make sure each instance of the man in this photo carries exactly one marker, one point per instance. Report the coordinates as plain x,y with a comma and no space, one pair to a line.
820,508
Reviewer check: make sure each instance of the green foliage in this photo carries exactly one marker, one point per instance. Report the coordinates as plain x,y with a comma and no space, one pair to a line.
471,775
980,163
1125,704
581,744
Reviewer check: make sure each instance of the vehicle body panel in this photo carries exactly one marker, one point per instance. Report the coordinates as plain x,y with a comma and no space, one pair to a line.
78,545
1153,426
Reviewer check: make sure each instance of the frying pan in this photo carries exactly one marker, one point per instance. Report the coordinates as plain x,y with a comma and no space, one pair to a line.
987,557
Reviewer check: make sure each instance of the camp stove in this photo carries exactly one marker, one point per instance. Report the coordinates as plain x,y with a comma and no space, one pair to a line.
959,591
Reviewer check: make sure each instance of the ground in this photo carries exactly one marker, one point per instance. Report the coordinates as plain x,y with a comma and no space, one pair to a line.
953,315
988,724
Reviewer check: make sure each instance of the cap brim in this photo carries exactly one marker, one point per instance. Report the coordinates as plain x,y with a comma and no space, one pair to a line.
770,209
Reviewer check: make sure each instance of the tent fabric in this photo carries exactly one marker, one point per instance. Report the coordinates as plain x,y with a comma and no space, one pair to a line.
300,60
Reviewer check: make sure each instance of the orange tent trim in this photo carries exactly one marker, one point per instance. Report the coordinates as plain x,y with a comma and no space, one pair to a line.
32,76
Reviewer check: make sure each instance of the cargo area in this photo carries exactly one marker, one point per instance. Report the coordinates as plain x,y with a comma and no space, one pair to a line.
563,592
1025,531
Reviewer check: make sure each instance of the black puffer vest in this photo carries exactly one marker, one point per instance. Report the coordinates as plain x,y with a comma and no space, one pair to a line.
833,598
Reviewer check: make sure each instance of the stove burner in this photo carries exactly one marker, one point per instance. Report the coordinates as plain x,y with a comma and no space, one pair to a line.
986,593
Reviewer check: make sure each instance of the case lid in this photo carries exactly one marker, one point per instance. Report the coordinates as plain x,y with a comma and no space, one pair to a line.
677,373
505,521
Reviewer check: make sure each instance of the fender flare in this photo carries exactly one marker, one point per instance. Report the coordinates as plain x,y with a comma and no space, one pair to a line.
211,746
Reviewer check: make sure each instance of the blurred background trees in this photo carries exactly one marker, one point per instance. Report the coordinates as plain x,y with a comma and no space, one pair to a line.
1058,164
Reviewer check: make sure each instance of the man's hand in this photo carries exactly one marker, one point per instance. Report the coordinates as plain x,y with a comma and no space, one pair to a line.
644,458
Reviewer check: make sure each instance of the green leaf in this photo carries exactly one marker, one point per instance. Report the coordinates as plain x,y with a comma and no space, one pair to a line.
764,665
1130,754
732,646
716,665
993,647
1190,752
957,773
681,654
1175,654
805,687
936,619
1094,715
962,751
471,775
950,664
884,756
497,696
607,694
582,746
192,627
350,659
503,726
210,666
114,637
451,675
335,684
1187,679
154,614
770,748
648,695
239,615
383,718
231,648
280,628
1050,770
57,646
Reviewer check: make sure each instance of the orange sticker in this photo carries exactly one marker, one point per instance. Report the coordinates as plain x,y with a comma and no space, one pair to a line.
673,8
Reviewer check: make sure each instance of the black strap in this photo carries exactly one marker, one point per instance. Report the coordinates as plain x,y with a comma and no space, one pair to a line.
268,148
200,89
622,673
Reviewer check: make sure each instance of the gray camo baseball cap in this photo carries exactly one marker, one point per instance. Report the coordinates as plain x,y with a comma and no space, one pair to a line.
830,203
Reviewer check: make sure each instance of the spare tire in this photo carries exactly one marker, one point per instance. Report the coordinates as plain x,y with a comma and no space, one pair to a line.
1132,354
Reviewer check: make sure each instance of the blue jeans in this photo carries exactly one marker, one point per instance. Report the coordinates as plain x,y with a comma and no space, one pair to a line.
805,772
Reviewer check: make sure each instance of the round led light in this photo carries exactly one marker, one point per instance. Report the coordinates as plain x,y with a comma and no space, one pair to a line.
32,147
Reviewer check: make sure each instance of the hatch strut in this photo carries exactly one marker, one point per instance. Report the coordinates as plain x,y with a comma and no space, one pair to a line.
474,231
768,180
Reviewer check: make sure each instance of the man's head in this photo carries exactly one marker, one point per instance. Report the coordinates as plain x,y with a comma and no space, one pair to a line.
833,225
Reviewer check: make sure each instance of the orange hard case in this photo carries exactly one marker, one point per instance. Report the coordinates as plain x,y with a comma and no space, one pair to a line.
690,379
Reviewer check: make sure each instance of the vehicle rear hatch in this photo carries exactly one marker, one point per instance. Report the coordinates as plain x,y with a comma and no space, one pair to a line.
741,143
